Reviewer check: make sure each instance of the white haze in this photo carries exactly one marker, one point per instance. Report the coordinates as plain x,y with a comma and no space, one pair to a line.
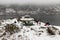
29,2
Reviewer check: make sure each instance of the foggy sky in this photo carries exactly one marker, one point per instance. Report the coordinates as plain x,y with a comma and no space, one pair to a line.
29,1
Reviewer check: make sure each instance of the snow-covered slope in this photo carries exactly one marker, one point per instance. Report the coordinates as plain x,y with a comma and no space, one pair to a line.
34,32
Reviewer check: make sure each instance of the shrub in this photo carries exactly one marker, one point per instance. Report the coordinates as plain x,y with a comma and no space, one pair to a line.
11,28
50,31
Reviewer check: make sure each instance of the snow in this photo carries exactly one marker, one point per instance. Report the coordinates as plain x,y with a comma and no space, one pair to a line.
27,34
58,27
27,19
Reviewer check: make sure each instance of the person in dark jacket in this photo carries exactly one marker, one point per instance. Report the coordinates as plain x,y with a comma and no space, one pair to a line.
47,23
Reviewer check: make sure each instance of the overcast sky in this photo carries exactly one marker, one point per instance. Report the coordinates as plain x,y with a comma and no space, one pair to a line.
29,1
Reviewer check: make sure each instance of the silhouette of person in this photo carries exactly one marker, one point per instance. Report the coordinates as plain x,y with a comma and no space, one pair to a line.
47,24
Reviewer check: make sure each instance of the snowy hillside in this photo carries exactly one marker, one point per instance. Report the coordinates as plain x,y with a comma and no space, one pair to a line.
34,32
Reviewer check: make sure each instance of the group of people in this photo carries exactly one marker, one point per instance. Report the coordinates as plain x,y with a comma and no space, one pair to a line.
47,23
